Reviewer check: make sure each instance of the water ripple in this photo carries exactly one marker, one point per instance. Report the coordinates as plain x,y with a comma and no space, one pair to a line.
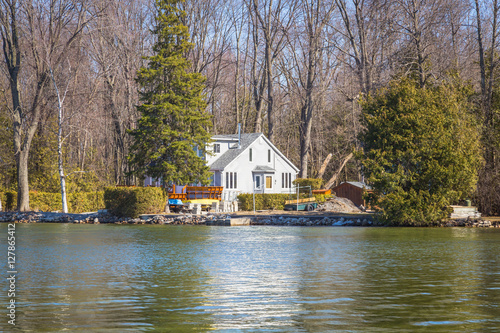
248,279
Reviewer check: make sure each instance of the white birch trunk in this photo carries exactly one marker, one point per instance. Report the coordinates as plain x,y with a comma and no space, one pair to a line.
62,177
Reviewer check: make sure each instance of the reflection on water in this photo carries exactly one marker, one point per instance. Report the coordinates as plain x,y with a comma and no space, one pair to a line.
193,278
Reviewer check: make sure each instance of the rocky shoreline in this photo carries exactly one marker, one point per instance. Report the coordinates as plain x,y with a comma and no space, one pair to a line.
216,219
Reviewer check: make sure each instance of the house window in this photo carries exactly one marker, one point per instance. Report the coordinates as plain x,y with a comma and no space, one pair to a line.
269,155
217,148
286,180
269,182
231,180
257,182
250,154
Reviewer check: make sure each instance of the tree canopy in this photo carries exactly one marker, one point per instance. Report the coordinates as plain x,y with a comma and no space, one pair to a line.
173,128
421,149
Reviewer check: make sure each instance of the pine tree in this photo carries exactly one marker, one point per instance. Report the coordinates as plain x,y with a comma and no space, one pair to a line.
174,124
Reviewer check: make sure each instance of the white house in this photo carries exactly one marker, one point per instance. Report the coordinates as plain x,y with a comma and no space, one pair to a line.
246,163
250,164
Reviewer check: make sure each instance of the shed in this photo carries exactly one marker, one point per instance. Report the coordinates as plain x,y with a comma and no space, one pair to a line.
353,191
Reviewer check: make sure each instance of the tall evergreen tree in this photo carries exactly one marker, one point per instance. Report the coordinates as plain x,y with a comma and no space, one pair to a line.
173,129
421,149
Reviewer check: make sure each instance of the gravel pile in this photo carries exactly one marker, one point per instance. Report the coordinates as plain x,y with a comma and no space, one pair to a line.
339,205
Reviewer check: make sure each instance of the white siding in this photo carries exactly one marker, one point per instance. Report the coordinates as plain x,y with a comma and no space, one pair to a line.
245,168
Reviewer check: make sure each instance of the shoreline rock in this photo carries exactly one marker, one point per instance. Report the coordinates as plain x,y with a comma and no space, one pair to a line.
102,217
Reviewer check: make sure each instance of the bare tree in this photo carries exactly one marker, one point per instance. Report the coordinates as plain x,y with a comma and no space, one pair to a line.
419,24
367,29
49,29
487,41
25,115
306,50
210,28
274,19
118,41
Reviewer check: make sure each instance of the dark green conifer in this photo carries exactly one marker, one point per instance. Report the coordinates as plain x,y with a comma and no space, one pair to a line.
421,149
173,129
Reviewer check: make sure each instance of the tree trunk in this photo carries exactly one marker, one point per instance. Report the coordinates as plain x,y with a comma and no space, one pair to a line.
62,177
118,149
482,66
307,112
23,196
270,93
258,81
324,165
336,174
12,54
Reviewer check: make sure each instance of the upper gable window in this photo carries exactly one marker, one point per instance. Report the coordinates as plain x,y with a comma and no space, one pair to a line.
269,155
250,154
217,148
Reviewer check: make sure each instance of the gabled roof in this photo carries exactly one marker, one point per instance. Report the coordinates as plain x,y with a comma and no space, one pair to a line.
246,140
263,168
231,154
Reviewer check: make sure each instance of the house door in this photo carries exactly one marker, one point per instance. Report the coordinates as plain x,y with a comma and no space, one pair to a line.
257,183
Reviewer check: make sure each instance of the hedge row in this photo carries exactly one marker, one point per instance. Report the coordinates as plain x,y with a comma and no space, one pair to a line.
9,200
265,201
78,202
315,183
134,201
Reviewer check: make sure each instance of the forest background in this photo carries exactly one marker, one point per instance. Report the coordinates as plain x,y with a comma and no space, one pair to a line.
295,70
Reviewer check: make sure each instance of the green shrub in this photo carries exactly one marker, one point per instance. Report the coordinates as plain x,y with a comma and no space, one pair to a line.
412,208
134,201
46,202
3,199
9,200
421,149
315,183
321,198
78,202
262,201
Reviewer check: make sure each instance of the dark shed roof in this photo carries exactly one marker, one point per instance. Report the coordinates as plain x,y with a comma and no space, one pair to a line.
359,184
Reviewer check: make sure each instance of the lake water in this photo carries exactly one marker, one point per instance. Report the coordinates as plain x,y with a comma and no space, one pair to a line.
253,279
